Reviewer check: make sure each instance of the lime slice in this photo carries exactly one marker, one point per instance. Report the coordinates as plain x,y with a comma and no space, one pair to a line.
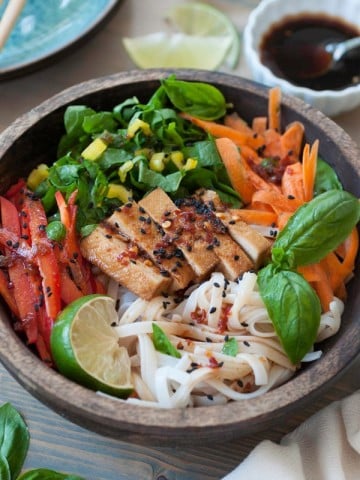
85,347
178,50
204,20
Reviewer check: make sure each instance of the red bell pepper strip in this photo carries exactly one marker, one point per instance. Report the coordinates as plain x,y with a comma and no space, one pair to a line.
7,292
76,266
23,289
45,256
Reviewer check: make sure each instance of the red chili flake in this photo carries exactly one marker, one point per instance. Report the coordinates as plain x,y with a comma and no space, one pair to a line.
199,315
213,363
224,316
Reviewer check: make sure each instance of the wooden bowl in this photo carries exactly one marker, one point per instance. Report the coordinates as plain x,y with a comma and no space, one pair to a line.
33,138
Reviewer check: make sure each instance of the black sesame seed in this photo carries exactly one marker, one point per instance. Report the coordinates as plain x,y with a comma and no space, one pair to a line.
212,310
209,397
247,344
236,257
108,235
232,222
142,210
291,197
143,231
208,339
216,284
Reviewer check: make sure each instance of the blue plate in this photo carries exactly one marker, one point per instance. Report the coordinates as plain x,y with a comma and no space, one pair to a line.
46,29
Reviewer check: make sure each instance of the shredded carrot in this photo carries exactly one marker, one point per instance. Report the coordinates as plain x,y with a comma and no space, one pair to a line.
237,123
283,218
234,165
274,108
309,169
259,125
292,182
272,143
256,217
291,141
276,200
219,130
317,277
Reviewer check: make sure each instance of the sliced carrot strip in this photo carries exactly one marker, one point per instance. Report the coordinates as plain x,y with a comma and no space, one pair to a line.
276,200
292,182
234,165
274,108
256,217
259,125
219,130
309,169
237,123
291,141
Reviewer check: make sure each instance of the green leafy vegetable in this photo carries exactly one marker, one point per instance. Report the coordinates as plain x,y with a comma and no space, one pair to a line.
14,441
294,309
162,343
4,468
199,99
326,178
231,347
316,229
44,474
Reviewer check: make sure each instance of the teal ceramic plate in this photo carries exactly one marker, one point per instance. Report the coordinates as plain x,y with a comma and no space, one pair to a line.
47,29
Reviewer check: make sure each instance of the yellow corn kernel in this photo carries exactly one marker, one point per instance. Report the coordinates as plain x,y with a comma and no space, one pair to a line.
190,164
177,158
40,173
147,152
120,192
157,162
124,169
94,150
137,125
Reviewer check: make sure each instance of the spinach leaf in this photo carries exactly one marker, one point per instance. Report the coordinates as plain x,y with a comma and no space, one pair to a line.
162,343
74,118
199,99
205,152
169,183
14,440
4,468
326,178
293,307
231,347
316,229
45,474
98,122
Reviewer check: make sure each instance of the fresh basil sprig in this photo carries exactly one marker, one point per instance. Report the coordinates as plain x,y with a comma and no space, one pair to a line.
14,441
314,230
14,445
196,98
162,343
293,307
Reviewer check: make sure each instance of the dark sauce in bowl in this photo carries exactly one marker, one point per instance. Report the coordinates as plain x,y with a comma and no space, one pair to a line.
292,49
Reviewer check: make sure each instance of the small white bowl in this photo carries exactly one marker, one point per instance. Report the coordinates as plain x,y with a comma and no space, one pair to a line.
269,12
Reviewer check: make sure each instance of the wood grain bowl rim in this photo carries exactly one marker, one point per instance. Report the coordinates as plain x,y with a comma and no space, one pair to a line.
158,426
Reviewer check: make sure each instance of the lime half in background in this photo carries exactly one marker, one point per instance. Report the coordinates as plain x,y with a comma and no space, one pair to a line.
85,347
206,39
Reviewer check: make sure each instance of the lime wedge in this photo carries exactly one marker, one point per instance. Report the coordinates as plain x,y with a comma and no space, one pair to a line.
178,50
204,20
85,347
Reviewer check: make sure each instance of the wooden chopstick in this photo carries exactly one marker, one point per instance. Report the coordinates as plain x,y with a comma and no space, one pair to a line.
8,20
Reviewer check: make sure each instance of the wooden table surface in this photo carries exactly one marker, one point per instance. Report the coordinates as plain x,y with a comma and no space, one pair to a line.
55,442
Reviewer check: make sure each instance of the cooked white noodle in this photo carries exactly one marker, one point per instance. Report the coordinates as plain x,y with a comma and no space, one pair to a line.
210,316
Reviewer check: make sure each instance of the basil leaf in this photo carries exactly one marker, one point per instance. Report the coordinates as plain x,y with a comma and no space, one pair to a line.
293,307
44,474
169,183
4,468
199,99
326,178
316,229
231,347
14,439
162,343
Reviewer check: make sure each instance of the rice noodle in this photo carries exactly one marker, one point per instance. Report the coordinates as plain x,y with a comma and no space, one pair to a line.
199,327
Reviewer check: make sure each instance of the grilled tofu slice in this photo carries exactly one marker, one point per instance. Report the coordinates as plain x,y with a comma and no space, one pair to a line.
132,221
185,229
233,261
121,261
252,242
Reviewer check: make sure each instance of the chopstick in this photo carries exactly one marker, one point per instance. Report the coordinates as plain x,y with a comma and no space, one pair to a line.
8,20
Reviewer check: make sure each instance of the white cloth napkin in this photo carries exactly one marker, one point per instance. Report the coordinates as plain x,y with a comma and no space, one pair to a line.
324,447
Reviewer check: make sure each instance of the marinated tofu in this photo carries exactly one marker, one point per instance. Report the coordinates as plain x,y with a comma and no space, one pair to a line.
183,228
123,262
252,242
132,221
